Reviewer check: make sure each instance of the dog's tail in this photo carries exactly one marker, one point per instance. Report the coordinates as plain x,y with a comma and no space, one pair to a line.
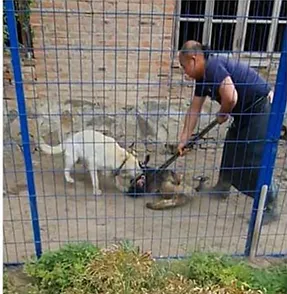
50,149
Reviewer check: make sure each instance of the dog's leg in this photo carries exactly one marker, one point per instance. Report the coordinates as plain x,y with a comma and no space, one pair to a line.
119,185
168,189
95,180
69,163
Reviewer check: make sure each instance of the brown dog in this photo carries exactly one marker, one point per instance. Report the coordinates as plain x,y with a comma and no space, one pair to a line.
166,184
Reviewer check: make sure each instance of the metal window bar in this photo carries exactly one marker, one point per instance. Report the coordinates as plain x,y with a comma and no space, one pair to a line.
241,24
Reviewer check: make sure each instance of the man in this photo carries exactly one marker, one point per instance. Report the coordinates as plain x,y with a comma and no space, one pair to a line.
243,94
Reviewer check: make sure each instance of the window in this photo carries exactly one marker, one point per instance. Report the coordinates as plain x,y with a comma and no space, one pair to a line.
191,21
22,13
283,11
261,9
232,25
222,36
225,9
256,37
279,37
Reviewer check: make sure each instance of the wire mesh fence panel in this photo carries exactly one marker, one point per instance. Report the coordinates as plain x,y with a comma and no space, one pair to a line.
273,239
104,85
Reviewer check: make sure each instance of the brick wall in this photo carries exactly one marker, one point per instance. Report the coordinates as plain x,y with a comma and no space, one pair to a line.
29,78
80,48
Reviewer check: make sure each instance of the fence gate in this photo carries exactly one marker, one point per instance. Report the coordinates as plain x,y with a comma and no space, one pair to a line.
112,67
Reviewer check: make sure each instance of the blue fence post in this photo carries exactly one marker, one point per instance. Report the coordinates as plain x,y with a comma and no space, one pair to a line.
273,134
14,49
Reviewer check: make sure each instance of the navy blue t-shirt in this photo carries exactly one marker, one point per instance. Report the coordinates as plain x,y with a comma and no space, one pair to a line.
249,85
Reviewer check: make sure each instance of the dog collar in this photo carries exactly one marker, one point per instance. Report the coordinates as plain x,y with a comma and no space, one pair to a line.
117,171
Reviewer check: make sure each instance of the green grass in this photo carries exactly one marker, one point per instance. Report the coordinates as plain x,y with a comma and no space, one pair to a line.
56,270
85,269
210,269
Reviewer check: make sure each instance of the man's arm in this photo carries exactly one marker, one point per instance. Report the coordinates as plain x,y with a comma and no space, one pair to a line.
190,120
229,97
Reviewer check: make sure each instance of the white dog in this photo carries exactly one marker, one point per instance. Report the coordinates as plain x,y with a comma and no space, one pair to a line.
100,152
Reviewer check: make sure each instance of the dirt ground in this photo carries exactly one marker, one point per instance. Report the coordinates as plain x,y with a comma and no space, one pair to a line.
71,213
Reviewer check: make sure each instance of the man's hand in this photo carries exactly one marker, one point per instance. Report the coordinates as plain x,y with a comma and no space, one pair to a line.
222,118
182,151
183,140
190,123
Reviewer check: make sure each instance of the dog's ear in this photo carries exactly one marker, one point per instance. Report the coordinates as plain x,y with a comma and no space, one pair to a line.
146,160
132,149
143,164
132,145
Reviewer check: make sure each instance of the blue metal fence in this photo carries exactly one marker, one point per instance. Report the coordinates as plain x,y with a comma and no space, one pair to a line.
112,66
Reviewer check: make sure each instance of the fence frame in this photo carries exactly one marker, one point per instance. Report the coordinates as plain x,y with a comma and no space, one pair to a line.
16,64
269,155
272,137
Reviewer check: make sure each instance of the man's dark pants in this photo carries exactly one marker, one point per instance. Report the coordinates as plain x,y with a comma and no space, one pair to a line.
242,154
